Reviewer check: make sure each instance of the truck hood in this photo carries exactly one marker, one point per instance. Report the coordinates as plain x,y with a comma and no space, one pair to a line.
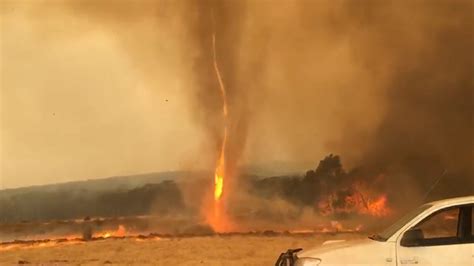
364,251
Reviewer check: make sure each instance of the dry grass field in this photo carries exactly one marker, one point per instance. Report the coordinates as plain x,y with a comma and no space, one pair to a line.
210,250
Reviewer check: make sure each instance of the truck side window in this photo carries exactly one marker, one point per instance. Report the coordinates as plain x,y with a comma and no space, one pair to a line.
440,228
472,224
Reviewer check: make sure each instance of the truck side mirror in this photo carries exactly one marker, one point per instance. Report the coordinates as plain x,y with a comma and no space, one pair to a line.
412,238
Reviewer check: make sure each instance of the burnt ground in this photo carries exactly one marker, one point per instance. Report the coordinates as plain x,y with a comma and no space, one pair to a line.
231,249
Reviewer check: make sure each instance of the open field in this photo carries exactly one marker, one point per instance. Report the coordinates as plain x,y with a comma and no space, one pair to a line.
208,250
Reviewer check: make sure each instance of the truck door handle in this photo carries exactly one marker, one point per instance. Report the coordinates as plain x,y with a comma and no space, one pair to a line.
413,260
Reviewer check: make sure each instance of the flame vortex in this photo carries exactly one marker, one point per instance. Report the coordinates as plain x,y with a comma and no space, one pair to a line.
220,168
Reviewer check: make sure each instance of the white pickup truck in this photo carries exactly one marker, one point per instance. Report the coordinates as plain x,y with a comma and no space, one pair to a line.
439,233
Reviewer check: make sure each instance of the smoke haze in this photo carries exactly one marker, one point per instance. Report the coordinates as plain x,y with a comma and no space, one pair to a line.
386,85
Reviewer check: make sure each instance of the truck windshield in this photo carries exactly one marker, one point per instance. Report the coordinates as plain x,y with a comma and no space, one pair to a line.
387,233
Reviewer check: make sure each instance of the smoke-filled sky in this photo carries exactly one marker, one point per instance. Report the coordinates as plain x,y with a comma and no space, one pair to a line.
92,89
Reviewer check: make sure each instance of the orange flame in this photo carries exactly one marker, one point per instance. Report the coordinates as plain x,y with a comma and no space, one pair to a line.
219,183
120,232
220,169
360,199
378,207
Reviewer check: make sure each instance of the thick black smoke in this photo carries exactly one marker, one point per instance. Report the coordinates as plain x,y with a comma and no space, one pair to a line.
425,138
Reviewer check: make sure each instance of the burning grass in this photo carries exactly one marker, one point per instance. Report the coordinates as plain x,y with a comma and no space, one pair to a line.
334,229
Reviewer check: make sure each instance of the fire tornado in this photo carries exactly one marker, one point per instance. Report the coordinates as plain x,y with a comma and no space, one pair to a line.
218,219
220,167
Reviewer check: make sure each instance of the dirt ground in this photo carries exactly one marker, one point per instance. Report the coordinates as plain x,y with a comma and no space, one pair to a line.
210,250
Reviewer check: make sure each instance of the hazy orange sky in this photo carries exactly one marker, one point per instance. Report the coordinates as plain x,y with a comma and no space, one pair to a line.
95,89
75,107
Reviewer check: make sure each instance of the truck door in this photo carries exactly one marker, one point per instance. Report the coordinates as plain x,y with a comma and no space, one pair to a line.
443,238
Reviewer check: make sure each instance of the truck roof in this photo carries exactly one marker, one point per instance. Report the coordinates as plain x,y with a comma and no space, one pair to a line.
453,201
